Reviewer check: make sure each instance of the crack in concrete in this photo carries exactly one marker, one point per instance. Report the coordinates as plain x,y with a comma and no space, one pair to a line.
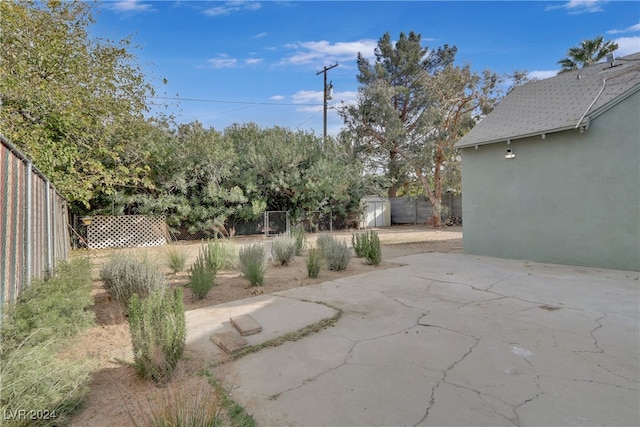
591,332
603,383
482,396
446,370
531,399
402,303
345,361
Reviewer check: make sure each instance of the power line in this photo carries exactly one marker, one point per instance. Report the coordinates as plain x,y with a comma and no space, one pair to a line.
218,101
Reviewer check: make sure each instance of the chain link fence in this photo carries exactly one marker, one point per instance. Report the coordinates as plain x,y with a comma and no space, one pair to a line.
33,223
270,223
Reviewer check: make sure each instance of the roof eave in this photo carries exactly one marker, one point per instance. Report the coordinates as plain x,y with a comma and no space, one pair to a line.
509,139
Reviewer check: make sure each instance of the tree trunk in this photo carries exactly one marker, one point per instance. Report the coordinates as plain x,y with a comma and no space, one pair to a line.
436,215
436,202
393,173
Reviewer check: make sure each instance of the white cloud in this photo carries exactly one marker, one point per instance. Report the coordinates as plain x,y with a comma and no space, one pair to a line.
223,61
232,7
251,61
308,97
261,35
627,45
576,7
129,6
278,97
631,29
320,52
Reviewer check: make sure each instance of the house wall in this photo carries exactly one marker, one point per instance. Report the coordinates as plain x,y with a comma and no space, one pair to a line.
572,198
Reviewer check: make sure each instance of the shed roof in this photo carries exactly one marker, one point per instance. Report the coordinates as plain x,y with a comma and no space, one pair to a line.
568,101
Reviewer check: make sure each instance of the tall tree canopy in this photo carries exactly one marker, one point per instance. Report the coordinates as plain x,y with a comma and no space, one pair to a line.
588,52
413,105
71,103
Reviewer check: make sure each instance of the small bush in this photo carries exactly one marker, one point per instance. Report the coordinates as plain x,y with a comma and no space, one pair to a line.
202,275
179,406
324,240
158,333
284,250
337,255
123,276
253,263
314,261
359,241
176,259
367,245
222,254
299,235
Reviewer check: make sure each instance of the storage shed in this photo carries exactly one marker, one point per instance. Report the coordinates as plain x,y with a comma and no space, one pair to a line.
377,212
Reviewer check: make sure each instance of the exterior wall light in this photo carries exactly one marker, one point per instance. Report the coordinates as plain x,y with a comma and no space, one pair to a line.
86,220
510,154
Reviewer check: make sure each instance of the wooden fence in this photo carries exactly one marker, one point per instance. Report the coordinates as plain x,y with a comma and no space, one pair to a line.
418,210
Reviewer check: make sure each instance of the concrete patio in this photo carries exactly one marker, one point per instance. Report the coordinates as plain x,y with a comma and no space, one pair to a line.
445,339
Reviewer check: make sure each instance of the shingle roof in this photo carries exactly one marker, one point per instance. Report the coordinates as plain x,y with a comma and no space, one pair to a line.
566,101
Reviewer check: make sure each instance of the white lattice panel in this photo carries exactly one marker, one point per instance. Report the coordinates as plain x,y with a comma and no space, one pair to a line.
126,232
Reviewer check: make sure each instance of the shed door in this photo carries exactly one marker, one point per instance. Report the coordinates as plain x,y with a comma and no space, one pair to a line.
375,214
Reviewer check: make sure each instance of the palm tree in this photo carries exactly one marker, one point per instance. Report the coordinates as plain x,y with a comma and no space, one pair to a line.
586,53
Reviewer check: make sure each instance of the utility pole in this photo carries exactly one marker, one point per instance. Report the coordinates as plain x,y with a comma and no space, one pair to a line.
324,71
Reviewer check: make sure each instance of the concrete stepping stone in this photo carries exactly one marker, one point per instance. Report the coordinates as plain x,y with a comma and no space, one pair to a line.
228,338
246,325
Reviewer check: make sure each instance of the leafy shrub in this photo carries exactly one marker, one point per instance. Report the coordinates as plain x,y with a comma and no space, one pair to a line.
253,263
222,254
123,276
299,235
202,275
158,333
176,259
284,249
337,255
367,245
34,330
314,261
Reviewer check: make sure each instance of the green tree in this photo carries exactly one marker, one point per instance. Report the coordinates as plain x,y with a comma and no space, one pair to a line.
190,178
294,171
70,102
588,52
413,105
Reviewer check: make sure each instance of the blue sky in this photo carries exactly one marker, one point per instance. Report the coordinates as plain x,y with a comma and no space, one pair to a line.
256,61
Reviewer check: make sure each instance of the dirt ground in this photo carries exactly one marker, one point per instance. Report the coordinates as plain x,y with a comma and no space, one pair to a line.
118,398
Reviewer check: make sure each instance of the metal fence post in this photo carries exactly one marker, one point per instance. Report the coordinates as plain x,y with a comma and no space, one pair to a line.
28,226
288,225
331,220
266,224
47,202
